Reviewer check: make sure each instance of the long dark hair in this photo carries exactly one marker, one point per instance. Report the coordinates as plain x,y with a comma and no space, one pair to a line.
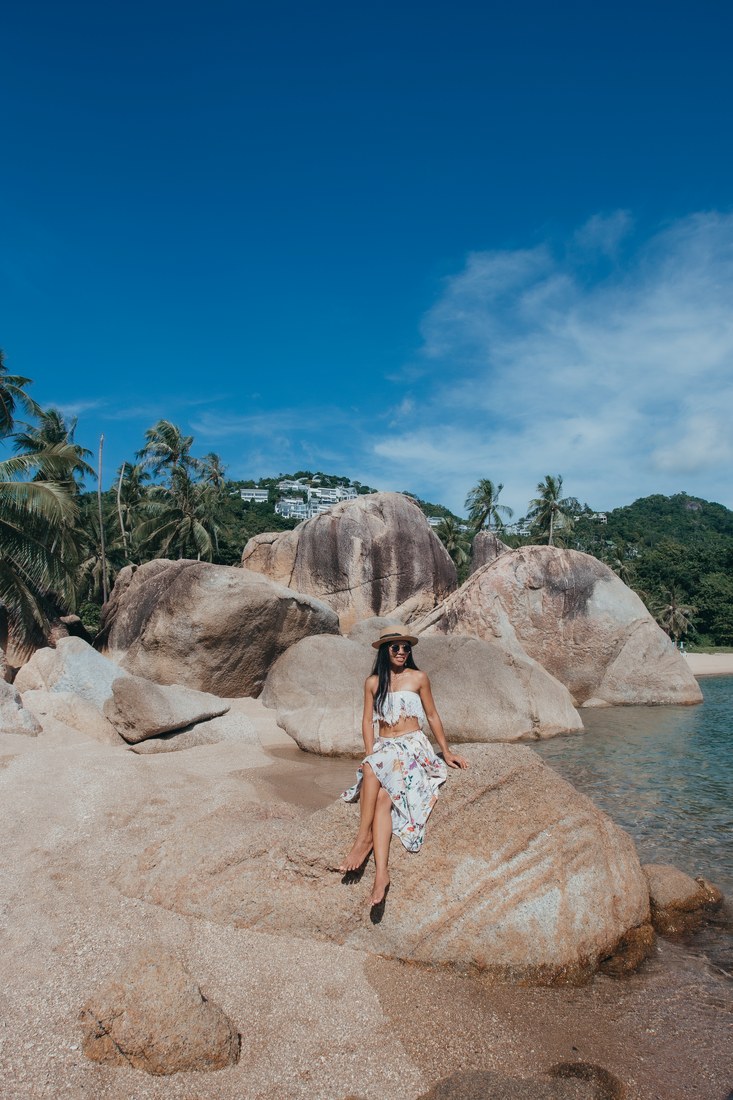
382,669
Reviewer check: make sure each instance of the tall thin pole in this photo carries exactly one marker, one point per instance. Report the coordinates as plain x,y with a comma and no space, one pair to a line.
101,523
119,507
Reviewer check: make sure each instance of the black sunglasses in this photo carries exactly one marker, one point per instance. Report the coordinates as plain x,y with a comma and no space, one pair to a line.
398,647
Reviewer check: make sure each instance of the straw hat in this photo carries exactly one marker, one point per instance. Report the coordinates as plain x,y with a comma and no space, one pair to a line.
393,634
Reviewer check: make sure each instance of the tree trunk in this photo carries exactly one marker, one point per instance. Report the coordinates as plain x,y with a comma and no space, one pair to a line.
101,522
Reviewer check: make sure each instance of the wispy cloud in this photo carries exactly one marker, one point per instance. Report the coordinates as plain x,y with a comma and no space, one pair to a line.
76,408
622,382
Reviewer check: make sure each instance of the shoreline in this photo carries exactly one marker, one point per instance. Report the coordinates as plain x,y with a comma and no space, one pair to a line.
710,664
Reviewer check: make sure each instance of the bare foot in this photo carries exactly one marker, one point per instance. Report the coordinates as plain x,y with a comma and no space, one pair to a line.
357,855
379,890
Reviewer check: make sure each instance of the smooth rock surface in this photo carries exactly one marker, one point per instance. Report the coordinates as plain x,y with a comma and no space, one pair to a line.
73,711
317,691
366,631
376,555
213,627
138,709
521,876
155,1018
72,666
482,693
571,613
14,716
485,548
679,903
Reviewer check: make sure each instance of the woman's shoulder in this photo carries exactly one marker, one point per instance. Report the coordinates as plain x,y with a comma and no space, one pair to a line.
415,682
372,683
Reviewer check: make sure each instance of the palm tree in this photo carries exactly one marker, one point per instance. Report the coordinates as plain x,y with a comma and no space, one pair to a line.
37,516
483,507
39,552
180,520
212,470
12,396
98,555
53,428
674,618
132,496
454,540
548,507
614,556
167,449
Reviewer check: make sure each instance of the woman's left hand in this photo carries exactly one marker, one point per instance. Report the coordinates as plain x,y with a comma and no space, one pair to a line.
455,761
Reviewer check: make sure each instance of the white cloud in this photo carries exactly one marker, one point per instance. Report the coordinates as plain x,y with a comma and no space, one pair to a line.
603,233
622,383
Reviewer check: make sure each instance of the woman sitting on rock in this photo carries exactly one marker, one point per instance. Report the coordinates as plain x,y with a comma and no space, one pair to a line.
400,774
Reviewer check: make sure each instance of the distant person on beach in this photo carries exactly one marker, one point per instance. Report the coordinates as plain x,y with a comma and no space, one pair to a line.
400,775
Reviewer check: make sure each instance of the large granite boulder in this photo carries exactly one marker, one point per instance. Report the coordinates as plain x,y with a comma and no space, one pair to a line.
213,627
483,693
485,548
521,876
375,555
153,1016
571,613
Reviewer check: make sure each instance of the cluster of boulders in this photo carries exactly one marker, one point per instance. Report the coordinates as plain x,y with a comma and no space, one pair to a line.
79,687
527,878
549,629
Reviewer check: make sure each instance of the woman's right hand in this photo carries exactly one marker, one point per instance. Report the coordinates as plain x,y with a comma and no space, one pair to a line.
454,761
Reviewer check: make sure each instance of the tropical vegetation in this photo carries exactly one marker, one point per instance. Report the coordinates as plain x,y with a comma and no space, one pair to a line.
62,545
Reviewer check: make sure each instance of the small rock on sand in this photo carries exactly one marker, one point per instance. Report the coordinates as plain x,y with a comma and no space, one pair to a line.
154,1017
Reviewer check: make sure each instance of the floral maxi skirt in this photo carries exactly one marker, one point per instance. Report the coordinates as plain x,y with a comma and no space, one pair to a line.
409,770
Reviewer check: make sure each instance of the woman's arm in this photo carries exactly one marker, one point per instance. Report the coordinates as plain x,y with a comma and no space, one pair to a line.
367,718
436,726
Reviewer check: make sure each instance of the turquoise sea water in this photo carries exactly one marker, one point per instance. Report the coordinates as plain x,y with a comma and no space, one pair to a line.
665,774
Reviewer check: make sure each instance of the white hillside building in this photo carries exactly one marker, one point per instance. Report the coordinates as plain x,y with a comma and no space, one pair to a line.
258,496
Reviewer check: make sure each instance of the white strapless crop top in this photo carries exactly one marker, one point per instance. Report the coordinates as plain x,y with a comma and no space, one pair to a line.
401,704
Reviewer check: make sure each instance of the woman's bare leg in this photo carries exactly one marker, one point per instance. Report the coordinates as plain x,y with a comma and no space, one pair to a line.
370,788
382,835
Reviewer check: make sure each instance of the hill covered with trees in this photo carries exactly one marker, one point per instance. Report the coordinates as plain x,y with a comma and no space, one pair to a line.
677,553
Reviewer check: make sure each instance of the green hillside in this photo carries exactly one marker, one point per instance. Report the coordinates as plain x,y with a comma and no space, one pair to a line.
677,553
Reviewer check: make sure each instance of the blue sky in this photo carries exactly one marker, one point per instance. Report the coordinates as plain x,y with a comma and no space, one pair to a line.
417,244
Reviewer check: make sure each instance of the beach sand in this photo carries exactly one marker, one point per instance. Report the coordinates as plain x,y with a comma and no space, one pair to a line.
710,664
317,1020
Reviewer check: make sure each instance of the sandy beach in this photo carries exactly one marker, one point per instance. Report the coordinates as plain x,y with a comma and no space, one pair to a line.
710,664
317,1019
